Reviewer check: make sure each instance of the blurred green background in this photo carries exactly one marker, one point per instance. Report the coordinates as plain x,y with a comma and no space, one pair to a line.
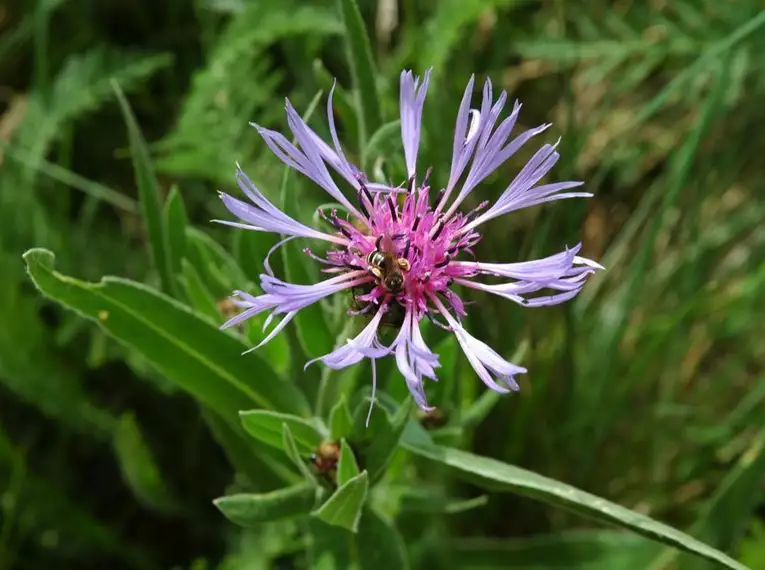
647,390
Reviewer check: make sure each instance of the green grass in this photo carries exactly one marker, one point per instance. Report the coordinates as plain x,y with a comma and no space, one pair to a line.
647,390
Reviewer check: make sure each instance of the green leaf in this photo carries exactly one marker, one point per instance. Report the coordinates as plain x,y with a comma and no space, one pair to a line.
385,442
379,544
347,468
248,509
385,142
33,369
327,546
424,500
246,455
88,187
291,449
340,420
583,550
188,350
215,264
344,507
197,293
149,195
499,476
139,469
266,426
175,221
362,69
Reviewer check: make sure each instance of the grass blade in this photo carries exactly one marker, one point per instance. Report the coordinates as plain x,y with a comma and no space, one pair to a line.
149,195
362,69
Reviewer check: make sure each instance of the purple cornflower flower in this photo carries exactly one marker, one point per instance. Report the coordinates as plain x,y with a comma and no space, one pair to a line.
398,253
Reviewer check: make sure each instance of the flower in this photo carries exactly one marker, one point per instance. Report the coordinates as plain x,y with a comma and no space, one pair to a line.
400,249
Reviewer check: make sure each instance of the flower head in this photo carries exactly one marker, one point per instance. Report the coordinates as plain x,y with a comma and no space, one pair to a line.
401,251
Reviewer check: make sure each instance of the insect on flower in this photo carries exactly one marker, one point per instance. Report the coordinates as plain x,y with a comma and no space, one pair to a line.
400,250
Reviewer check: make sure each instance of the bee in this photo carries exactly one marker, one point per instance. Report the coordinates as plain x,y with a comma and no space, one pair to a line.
388,268
324,461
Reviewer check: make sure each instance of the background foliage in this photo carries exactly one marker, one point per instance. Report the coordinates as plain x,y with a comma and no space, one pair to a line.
647,390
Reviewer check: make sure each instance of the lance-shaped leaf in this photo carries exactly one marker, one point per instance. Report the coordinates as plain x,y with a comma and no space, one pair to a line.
188,350
379,543
175,221
139,469
500,476
347,468
362,68
248,509
266,426
340,420
344,507
149,195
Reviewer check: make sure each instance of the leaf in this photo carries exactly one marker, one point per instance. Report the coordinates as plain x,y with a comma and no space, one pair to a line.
379,544
291,449
188,350
385,142
340,420
216,265
89,187
385,442
33,369
246,457
327,546
248,510
583,550
139,469
422,500
266,426
502,477
362,69
175,221
197,293
347,468
149,196
344,507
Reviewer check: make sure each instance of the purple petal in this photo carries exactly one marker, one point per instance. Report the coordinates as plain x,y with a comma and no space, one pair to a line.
262,215
565,272
545,268
521,193
414,359
412,100
484,360
292,297
335,158
363,345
